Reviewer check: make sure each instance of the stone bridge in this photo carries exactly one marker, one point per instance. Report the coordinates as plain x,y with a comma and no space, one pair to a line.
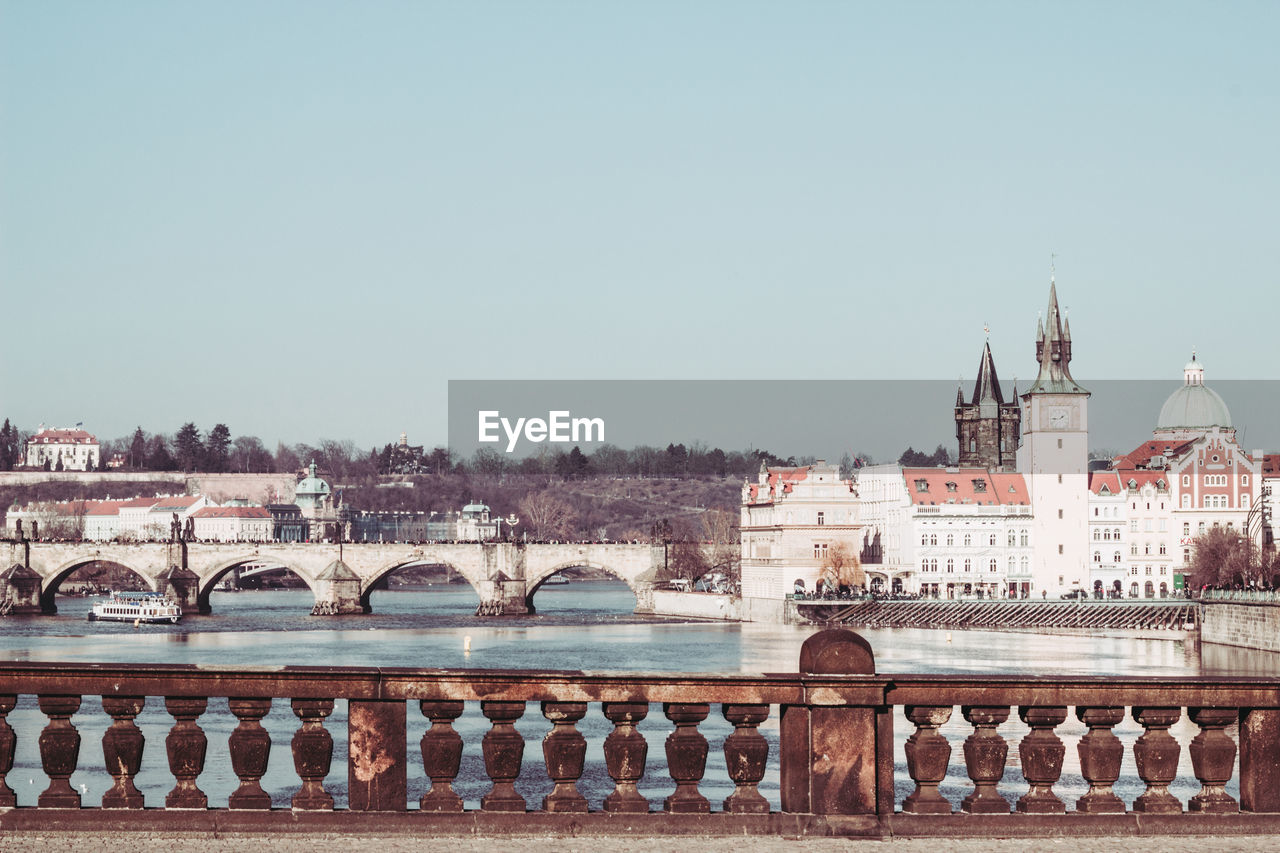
505,575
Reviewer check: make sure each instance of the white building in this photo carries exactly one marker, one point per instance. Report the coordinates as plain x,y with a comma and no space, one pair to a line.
73,449
792,519
475,525
102,521
232,524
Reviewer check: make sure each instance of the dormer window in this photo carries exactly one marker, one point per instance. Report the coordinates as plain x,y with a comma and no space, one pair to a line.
951,487
979,485
922,485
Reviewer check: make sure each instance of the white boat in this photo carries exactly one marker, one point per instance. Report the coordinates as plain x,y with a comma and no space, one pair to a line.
136,607
557,579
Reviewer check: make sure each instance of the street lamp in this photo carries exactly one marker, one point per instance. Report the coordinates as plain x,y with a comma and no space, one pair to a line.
1261,511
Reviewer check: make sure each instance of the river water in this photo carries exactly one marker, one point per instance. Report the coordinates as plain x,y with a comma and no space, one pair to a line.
579,626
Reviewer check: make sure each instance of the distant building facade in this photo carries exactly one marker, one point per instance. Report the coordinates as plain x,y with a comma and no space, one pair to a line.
72,449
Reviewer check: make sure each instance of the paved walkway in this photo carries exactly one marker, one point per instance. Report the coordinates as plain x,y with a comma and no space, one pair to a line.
310,843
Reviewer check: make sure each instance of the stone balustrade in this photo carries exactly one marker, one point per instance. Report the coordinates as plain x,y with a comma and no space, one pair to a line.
833,755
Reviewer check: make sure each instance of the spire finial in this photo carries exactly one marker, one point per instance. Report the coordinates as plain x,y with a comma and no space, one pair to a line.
1053,266
986,330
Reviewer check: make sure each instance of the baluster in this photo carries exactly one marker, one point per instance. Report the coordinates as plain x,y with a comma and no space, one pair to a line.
503,749
441,756
928,754
984,756
1100,754
312,753
186,746
1213,758
122,744
8,740
250,746
746,753
564,749
59,752
1156,754
625,753
1041,753
686,756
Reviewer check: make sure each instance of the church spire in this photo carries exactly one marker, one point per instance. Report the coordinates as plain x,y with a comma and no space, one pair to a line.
1053,351
987,387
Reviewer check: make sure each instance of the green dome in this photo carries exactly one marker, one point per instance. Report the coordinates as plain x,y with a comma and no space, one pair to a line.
312,486
1194,405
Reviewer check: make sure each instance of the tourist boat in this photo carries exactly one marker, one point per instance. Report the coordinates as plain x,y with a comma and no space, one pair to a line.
556,579
136,607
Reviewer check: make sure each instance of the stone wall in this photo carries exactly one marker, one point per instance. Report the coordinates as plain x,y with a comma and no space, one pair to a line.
700,605
1251,625
257,488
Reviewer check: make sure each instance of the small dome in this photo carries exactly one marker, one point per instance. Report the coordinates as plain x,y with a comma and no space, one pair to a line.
1194,405
311,484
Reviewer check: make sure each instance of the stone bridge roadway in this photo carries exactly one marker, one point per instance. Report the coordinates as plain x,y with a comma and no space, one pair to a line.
505,575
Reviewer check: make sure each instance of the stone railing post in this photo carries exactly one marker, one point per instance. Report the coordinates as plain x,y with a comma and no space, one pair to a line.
503,749
1100,755
186,744
565,750
1156,755
928,754
686,756
625,752
984,756
59,752
312,753
836,759
250,747
441,755
1260,760
122,744
1041,753
377,760
1213,758
746,752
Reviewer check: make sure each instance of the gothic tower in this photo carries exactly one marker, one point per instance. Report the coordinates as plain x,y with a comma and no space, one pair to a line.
987,427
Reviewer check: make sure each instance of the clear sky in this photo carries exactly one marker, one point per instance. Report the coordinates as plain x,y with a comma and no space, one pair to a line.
303,218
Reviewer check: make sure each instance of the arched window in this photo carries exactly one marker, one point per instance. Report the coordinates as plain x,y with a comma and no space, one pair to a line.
1097,534
933,539
1023,535
1023,565
992,540
924,539
968,540
992,566
1116,557
1097,556
951,540
968,566
951,565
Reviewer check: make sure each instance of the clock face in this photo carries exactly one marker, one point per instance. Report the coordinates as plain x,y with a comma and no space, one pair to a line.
1059,418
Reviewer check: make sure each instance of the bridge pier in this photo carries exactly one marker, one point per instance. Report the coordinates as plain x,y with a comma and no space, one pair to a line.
20,591
337,591
183,586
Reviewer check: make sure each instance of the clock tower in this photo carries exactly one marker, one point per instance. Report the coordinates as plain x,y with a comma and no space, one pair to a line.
1054,459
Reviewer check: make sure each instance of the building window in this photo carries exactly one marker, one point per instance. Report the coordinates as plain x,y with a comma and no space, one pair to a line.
968,540
1244,479
924,539
1023,538
1013,539
1186,556
951,566
1097,556
968,566
991,540
951,540
1116,557
1059,549
1186,528
1097,535
922,485
820,551
1133,549
1023,564
1163,548
1186,479
992,566
979,485
821,519
933,539
951,487
1059,513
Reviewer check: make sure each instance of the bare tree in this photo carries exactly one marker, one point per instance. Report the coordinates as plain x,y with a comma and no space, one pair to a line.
720,528
548,516
1224,557
842,568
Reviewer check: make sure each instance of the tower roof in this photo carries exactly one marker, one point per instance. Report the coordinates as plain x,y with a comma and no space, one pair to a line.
987,386
1053,351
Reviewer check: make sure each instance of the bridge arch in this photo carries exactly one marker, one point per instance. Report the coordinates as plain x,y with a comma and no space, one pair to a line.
378,579
49,585
534,583
209,580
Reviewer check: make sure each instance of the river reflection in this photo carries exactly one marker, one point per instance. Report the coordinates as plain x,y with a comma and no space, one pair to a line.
580,626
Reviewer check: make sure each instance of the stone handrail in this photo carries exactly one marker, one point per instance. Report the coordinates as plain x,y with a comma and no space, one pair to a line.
835,761
1240,595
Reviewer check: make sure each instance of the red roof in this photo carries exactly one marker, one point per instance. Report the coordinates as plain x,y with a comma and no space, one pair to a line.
1271,465
1117,480
105,508
786,476
1140,456
138,502
62,436
231,512
964,486
175,502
